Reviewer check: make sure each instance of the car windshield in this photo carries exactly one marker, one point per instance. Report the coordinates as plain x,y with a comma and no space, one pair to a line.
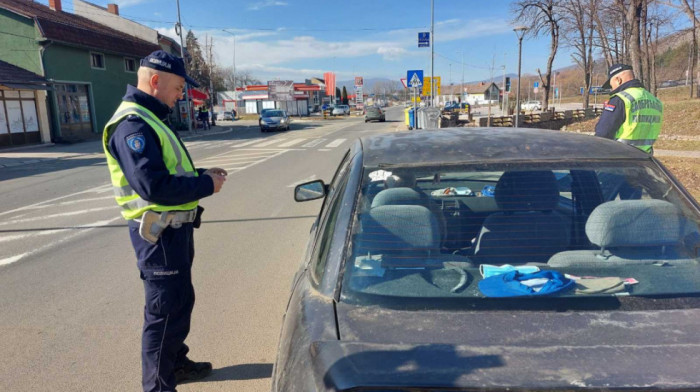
585,230
273,113
373,110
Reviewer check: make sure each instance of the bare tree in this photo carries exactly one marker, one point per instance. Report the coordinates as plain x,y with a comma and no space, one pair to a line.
689,9
543,18
578,26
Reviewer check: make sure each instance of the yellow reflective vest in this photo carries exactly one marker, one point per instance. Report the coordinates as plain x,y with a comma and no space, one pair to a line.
174,156
643,115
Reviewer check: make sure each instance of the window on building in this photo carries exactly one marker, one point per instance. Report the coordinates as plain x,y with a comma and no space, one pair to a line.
97,60
129,65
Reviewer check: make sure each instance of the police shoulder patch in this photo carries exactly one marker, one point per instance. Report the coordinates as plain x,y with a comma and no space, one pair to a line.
609,107
136,142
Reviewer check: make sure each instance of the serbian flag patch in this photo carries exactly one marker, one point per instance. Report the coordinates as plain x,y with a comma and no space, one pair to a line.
609,107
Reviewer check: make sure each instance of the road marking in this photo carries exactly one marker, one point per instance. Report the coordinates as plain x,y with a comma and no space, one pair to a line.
20,236
56,215
307,179
65,203
89,227
314,143
291,142
89,190
267,143
247,143
324,149
335,143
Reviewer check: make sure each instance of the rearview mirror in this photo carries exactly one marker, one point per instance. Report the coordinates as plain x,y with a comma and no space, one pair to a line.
310,191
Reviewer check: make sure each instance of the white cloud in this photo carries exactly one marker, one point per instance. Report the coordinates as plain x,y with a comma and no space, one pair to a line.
272,55
129,3
264,4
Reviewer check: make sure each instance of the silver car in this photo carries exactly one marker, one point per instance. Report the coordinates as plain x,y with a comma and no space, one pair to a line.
273,120
341,110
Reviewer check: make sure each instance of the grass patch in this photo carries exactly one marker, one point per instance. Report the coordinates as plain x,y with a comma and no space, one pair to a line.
681,118
687,170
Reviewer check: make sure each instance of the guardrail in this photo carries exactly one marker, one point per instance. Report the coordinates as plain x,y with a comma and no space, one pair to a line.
552,120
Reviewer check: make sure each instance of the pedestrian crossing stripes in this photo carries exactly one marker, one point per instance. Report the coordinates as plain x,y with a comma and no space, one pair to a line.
314,143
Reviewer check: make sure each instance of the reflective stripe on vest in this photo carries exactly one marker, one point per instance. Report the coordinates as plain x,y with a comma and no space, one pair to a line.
643,116
133,206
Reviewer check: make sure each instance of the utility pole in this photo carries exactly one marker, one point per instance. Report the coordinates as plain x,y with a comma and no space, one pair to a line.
503,100
178,31
432,52
488,90
211,75
519,32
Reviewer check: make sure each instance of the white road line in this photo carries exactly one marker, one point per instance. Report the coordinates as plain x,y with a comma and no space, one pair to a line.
20,236
267,143
90,227
291,142
280,152
314,143
247,143
335,143
307,179
324,149
65,203
95,189
12,222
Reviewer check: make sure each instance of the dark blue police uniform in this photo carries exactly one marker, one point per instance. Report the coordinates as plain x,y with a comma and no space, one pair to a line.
165,267
613,115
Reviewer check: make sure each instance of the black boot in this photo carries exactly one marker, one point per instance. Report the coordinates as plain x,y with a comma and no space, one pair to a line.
192,371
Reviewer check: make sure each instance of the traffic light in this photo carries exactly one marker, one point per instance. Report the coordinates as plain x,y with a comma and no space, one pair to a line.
507,84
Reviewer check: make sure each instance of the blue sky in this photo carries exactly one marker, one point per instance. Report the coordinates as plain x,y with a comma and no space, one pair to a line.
296,39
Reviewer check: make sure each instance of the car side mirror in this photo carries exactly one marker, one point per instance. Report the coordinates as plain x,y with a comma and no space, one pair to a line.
310,191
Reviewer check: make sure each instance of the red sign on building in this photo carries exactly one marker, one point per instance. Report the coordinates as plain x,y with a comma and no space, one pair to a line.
358,81
329,79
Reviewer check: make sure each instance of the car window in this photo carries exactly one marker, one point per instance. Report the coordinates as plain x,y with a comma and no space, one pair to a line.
273,113
326,216
430,233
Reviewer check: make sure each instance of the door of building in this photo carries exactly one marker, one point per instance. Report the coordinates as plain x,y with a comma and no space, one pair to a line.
74,114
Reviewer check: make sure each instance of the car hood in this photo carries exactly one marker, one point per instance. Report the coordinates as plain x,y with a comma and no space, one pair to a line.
518,349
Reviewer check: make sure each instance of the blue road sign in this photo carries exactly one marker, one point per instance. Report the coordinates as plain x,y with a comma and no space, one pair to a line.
424,39
414,78
581,90
536,84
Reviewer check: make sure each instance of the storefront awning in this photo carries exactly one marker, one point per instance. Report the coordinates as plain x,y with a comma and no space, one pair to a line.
196,94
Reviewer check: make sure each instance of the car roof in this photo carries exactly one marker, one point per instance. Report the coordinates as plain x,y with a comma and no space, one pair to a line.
476,145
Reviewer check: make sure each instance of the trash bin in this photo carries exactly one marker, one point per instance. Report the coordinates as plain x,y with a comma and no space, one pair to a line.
407,116
412,118
420,118
428,118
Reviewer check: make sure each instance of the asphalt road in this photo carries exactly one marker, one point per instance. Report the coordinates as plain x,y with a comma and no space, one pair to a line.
71,300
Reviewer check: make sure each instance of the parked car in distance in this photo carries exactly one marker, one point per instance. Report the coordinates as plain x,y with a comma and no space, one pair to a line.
228,116
374,113
274,119
495,259
341,110
531,106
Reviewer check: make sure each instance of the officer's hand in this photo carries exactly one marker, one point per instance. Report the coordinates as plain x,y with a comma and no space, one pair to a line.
218,181
216,170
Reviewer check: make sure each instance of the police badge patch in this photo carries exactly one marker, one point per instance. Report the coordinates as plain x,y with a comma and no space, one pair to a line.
136,142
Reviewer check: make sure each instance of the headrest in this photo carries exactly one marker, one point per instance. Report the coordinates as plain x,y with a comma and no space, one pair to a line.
635,223
400,180
527,191
397,196
400,228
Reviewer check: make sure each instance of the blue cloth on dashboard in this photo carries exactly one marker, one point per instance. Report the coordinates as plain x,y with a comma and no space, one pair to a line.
488,270
516,284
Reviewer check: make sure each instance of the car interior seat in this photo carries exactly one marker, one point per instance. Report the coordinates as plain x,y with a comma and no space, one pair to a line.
527,229
632,232
407,233
410,196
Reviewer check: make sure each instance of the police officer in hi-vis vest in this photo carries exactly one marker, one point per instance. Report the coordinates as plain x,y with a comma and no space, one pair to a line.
632,115
158,188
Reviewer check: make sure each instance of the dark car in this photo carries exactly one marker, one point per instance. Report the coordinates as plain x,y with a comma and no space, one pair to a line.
374,113
273,120
493,260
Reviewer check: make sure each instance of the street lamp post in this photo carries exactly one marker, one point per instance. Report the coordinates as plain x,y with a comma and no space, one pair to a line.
519,32
178,30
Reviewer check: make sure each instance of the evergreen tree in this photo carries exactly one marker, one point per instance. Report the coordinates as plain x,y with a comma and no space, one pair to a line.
345,96
197,67
337,94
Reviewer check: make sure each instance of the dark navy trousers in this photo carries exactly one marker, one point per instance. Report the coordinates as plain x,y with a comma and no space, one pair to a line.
165,269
